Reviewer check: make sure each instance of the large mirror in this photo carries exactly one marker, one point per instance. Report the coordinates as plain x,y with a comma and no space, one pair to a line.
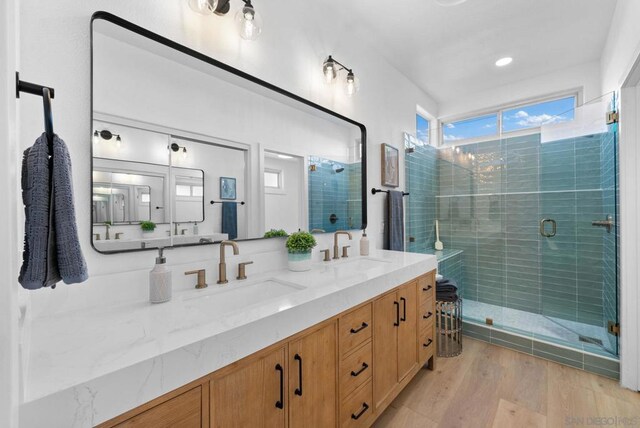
189,151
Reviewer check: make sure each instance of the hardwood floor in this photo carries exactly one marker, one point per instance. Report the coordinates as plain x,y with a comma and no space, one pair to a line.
490,386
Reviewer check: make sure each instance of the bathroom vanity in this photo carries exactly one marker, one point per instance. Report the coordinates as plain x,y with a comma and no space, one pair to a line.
329,347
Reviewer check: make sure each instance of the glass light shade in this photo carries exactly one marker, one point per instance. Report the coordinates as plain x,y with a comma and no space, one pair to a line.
249,22
330,71
184,153
118,141
96,137
203,7
352,85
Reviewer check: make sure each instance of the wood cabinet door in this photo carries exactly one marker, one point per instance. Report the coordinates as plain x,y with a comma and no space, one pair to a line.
408,329
253,395
184,411
386,320
313,391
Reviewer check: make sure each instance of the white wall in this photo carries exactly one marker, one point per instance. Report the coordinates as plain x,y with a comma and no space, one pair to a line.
623,45
585,77
9,248
282,207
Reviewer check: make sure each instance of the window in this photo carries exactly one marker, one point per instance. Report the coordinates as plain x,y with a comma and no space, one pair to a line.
536,115
145,198
183,190
272,179
422,129
467,129
197,191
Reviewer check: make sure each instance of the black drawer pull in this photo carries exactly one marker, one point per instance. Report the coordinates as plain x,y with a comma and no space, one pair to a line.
364,367
280,403
365,407
397,323
298,390
429,314
429,342
404,309
428,288
359,329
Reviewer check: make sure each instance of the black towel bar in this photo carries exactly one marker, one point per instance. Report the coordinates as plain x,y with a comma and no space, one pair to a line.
374,191
222,202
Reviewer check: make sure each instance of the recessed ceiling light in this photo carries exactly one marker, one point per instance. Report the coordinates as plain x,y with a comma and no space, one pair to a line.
504,61
285,157
447,3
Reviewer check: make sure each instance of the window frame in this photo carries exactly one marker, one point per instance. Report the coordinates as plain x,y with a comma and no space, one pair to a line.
498,111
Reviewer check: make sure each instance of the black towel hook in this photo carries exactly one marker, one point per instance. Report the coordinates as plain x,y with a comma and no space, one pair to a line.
47,93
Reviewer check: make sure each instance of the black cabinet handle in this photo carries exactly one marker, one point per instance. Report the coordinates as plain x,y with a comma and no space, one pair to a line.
429,314
429,342
428,288
397,323
364,367
280,403
298,390
359,329
365,407
404,309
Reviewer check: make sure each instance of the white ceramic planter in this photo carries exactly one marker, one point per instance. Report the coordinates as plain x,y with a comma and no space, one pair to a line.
300,262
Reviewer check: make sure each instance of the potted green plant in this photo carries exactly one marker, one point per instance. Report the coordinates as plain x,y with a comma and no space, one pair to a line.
275,233
299,246
147,227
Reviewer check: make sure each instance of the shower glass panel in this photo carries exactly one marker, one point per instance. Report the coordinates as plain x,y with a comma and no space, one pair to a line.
529,226
578,233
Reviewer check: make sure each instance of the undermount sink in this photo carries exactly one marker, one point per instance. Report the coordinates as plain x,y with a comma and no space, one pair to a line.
359,264
233,297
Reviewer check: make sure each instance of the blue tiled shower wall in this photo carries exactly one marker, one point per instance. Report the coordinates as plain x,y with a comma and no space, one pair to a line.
490,198
334,192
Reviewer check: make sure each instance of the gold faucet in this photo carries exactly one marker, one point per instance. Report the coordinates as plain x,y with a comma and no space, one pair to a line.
222,267
336,250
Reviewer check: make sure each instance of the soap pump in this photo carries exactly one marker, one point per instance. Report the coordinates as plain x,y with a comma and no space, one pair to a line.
364,244
160,280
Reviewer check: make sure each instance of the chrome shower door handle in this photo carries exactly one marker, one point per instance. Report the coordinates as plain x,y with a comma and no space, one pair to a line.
608,223
554,227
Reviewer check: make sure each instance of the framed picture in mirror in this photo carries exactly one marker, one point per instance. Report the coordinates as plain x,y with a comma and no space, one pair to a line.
390,166
228,188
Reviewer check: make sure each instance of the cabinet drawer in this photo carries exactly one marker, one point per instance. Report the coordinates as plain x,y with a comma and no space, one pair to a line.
426,344
427,314
357,409
355,370
427,287
355,328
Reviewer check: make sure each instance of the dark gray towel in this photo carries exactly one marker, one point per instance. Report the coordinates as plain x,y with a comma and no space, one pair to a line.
394,222
230,219
51,246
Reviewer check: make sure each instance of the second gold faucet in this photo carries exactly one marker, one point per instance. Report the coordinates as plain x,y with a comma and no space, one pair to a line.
336,249
222,267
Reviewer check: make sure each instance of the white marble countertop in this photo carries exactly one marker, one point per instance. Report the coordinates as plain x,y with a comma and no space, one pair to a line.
88,366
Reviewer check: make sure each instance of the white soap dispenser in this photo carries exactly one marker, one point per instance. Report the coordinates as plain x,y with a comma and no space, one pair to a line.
364,244
160,280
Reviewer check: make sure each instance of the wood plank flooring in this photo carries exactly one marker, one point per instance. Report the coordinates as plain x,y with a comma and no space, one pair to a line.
490,386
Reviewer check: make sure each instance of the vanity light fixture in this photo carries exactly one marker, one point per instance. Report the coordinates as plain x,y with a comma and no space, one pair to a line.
330,69
176,148
248,22
106,135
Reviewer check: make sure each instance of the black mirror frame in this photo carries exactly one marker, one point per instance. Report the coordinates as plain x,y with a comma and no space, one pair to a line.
106,16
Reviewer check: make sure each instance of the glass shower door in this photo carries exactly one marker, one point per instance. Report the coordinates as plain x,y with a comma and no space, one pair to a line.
578,228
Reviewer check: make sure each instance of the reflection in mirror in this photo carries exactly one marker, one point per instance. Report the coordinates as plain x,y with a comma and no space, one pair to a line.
236,157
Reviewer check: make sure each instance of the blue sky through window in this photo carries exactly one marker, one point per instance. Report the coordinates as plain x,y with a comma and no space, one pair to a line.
476,127
535,115
422,129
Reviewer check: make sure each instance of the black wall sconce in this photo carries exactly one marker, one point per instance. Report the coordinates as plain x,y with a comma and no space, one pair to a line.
330,69
248,22
176,148
106,135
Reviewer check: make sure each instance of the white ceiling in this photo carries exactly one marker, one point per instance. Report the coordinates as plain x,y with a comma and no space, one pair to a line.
450,52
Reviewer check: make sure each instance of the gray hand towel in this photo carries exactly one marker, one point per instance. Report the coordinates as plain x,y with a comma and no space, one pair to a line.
51,246
71,262
394,222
